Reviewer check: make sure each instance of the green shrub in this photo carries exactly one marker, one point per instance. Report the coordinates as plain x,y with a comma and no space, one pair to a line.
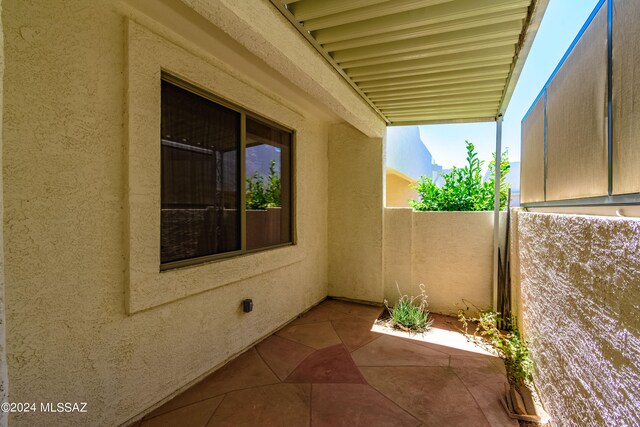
509,343
259,197
463,188
410,313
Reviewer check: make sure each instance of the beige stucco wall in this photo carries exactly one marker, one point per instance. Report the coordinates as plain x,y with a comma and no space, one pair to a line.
76,123
252,24
355,214
451,253
398,192
398,250
577,279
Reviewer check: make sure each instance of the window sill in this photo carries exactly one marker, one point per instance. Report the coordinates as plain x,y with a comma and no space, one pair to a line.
195,262
148,289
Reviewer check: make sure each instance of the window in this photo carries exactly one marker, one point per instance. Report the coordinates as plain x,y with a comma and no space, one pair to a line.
268,196
208,208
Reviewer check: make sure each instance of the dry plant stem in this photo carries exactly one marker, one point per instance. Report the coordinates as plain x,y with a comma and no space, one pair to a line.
508,343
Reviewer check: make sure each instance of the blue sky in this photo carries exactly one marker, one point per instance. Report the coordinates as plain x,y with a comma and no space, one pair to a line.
560,25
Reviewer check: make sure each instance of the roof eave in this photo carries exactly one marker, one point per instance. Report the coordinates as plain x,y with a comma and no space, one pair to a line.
531,26
287,14
442,121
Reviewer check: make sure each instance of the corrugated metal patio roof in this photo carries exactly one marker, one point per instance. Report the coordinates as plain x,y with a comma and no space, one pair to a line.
423,61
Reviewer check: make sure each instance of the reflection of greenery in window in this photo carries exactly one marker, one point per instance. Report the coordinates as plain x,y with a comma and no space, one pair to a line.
261,197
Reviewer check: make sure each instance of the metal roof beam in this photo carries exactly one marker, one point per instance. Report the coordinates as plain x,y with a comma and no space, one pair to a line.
463,117
310,9
449,88
441,40
499,53
435,70
436,77
456,89
424,85
430,53
487,107
420,98
428,30
432,101
446,12
370,12
481,119
439,103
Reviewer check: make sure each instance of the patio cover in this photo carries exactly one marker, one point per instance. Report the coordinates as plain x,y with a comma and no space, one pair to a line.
423,61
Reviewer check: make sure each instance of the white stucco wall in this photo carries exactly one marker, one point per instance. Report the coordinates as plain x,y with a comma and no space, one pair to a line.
71,131
406,153
355,214
577,286
451,253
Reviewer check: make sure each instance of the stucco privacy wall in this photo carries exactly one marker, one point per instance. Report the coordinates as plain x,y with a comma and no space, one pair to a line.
451,253
355,214
66,228
579,304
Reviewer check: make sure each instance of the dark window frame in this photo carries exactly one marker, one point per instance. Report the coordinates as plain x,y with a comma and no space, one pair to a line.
244,113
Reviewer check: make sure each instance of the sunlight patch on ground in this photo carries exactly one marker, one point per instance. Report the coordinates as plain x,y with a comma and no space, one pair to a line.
438,336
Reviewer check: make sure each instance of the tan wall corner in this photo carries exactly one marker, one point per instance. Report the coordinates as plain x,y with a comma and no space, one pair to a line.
355,214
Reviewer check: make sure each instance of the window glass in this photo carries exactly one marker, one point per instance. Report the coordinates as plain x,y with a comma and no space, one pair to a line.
268,185
200,196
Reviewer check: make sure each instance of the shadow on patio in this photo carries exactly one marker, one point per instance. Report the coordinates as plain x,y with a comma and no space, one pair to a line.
333,366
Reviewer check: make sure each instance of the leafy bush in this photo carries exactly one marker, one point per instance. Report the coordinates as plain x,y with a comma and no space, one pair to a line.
509,343
259,197
463,189
409,316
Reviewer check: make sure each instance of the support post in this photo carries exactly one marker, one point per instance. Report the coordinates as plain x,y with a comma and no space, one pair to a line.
496,211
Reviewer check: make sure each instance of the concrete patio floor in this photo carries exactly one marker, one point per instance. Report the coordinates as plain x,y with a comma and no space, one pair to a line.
333,366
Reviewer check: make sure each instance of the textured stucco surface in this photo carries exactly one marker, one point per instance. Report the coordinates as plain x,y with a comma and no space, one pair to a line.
147,54
252,24
579,304
398,244
66,153
355,214
451,253
398,192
